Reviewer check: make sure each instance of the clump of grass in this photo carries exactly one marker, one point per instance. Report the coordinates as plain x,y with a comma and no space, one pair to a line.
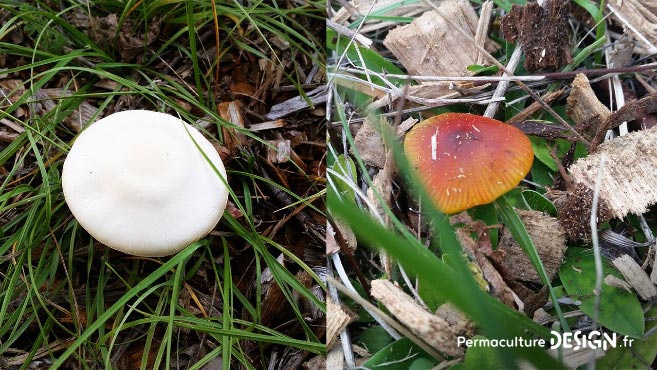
68,301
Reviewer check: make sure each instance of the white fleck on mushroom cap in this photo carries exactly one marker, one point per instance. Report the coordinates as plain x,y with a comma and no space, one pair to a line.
137,183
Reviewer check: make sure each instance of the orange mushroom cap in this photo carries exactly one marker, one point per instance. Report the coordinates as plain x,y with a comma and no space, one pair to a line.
465,160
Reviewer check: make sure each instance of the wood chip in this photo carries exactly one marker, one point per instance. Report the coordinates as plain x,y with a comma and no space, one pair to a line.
268,125
548,237
635,276
427,46
7,137
406,125
628,184
316,96
617,282
332,246
337,319
348,236
335,359
12,125
279,151
622,52
434,330
639,18
381,187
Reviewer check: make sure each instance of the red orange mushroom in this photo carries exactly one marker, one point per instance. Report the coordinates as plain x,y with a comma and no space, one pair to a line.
465,160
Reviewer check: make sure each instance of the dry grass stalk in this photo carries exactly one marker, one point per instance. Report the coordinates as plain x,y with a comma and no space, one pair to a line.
482,28
356,8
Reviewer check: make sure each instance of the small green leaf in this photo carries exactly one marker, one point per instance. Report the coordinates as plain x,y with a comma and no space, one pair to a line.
422,364
538,202
620,310
397,355
542,174
481,357
374,339
479,69
542,152
636,355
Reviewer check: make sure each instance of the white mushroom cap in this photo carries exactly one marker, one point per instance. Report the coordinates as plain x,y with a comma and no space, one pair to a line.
137,183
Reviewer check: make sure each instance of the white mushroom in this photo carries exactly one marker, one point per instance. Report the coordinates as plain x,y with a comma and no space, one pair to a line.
137,182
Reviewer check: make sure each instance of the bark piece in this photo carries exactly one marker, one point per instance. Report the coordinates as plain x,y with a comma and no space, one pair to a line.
77,119
542,31
428,45
628,184
574,212
584,108
231,111
622,52
543,129
317,362
550,241
636,277
456,319
369,144
434,330
632,110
